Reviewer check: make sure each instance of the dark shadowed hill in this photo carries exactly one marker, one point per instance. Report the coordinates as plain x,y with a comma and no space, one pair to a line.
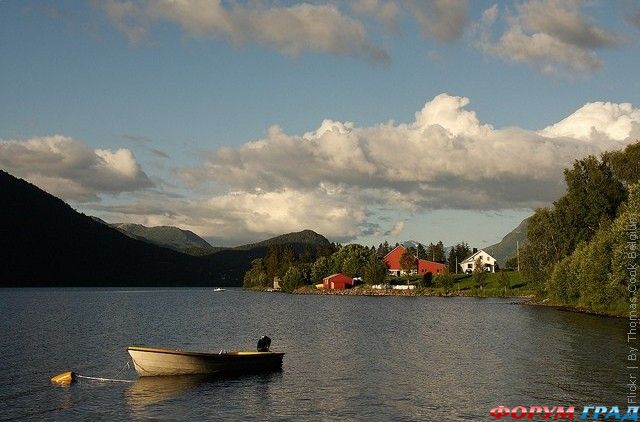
506,248
45,242
305,237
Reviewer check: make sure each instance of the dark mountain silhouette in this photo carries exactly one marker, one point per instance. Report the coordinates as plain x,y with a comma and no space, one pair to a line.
45,242
305,237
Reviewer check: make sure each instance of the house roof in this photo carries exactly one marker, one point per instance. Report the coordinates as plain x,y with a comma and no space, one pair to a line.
339,276
472,257
392,250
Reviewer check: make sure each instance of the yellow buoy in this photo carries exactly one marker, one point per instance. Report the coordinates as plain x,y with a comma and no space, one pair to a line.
64,378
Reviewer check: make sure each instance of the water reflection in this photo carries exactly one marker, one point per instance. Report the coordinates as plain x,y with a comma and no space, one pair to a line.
149,391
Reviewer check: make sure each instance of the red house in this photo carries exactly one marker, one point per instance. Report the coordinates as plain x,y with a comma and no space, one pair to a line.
392,259
337,281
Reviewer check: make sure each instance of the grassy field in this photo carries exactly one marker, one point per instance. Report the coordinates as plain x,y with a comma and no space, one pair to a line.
518,287
465,285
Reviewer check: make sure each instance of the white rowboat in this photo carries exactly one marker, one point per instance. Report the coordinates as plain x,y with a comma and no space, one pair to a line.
149,361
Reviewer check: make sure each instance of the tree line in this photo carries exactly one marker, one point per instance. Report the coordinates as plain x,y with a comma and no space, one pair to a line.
577,250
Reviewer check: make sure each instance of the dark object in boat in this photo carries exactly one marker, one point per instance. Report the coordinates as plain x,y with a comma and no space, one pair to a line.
264,344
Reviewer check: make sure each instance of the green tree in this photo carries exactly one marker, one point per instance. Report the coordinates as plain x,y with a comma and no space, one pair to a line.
256,276
422,252
292,279
320,269
408,260
543,249
593,197
512,263
375,271
436,252
352,266
457,254
624,164
386,248
479,274
445,281
288,258
427,279
504,281
351,259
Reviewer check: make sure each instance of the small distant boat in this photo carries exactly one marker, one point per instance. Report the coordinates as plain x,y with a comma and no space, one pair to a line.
150,361
218,289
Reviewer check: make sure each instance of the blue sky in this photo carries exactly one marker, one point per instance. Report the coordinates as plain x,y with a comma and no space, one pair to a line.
209,115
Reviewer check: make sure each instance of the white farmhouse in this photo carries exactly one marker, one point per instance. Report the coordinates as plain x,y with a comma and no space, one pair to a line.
488,262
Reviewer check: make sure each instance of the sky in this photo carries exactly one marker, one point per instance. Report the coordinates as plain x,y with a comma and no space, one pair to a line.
364,120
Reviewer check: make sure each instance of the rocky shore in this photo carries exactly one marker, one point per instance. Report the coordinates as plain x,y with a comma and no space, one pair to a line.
363,291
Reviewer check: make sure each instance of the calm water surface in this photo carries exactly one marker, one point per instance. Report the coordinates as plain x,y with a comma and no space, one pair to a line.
348,358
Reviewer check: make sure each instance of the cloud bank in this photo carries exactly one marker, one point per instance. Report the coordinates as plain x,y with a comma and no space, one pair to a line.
556,37
445,158
293,29
336,178
70,169
339,178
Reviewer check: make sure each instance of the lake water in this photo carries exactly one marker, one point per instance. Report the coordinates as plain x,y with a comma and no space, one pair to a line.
348,358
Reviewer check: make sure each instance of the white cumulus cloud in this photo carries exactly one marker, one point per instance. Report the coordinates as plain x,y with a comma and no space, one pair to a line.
599,119
70,169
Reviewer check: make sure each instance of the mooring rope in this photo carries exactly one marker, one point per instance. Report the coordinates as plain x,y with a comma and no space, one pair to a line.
125,366
102,379
68,377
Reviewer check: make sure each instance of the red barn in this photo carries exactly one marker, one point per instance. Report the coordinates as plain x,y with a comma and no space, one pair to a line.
392,259
434,268
337,281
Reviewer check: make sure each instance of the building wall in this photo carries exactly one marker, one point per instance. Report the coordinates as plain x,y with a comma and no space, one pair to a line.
337,281
434,268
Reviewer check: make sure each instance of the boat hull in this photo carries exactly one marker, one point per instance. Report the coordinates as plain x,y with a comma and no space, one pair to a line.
160,362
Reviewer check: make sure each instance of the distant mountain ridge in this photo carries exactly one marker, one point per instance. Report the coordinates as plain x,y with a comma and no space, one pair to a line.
188,242
507,247
172,237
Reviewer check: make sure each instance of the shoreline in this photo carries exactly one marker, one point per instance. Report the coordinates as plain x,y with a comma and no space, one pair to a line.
571,308
526,299
306,290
